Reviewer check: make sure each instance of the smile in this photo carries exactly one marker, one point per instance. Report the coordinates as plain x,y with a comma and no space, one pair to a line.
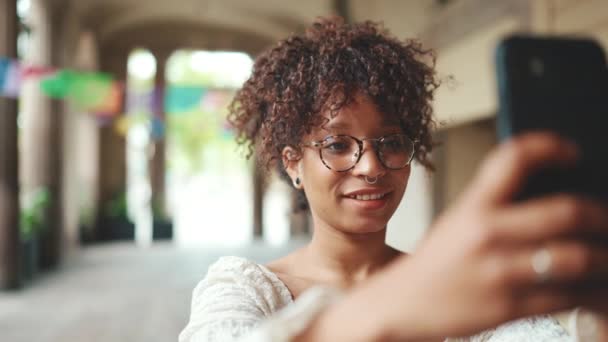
367,197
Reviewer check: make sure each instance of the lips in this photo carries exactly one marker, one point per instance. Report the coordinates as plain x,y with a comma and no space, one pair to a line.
368,199
368,193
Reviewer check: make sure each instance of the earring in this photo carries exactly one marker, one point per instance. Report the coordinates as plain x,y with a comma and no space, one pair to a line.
297,182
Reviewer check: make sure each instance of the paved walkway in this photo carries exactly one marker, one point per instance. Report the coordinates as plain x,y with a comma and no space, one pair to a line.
115,293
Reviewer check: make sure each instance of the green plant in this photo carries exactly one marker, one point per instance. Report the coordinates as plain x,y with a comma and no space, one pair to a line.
86,217
117,207
33,213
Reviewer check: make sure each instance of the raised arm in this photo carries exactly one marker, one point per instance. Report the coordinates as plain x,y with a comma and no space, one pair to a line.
487,260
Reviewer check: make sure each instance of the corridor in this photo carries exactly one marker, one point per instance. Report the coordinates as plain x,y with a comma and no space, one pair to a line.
116,293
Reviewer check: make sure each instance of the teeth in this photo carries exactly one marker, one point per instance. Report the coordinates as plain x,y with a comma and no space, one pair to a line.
368,197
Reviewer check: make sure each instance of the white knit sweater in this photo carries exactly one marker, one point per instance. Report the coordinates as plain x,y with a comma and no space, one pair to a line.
242,300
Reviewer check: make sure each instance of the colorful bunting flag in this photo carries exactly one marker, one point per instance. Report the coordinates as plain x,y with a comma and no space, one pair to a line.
57,85
179,99
4,65
36,71
126,121
215,99
157,128
139,101
10,77
111,105
86,91
98,93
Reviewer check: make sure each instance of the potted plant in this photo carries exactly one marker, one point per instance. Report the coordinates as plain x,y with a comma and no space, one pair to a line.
32,221
162,226
115,222
86,225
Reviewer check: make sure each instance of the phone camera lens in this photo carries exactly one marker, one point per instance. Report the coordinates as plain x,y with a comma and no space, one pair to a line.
537,67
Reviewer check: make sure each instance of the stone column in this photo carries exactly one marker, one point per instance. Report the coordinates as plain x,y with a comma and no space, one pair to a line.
9,181
112,176
157,161
41,135
80,150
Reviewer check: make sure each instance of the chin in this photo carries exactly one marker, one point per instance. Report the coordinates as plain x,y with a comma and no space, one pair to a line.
365,226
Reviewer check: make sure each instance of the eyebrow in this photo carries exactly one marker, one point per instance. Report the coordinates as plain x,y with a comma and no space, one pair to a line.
336,125
345,125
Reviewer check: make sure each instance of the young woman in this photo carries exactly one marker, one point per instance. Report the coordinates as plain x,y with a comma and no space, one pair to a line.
343,110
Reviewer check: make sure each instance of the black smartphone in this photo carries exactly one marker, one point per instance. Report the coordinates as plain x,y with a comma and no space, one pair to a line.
558,84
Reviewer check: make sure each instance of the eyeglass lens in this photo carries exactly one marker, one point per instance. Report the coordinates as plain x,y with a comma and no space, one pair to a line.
342,152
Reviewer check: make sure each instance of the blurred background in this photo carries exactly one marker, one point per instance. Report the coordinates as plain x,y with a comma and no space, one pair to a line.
120,181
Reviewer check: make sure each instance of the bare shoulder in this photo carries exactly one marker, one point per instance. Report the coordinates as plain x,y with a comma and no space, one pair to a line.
285,267
281,265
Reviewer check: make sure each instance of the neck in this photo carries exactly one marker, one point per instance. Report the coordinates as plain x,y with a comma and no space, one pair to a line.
344,259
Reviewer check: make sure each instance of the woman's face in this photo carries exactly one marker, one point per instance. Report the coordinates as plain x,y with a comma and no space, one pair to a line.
337,199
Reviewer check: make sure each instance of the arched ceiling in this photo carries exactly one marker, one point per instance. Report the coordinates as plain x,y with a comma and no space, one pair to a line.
213,24
169,35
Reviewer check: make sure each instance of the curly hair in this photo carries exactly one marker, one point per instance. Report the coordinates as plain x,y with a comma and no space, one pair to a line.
322,70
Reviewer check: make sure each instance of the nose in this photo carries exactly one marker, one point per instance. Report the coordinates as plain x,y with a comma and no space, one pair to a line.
369,164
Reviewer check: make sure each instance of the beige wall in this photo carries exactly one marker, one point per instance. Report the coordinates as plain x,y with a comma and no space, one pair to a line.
589,17
465,147
466,69
415,212
404,18
467,105
469,58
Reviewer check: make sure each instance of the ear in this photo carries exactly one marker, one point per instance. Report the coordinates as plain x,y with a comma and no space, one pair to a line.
292,160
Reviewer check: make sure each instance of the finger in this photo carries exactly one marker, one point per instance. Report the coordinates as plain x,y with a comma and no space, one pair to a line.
505,171
548,300
600,305
544,301
587,325
551,217
566,262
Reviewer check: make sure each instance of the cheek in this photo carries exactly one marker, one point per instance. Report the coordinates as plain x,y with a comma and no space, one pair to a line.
321,184
324,186
401,179
319,180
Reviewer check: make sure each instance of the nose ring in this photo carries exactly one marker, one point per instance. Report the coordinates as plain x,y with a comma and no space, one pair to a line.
371,180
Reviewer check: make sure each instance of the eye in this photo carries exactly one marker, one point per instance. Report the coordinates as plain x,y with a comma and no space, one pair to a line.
338,145
394,144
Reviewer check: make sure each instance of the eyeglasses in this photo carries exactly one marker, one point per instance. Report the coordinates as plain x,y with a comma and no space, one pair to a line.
342,152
